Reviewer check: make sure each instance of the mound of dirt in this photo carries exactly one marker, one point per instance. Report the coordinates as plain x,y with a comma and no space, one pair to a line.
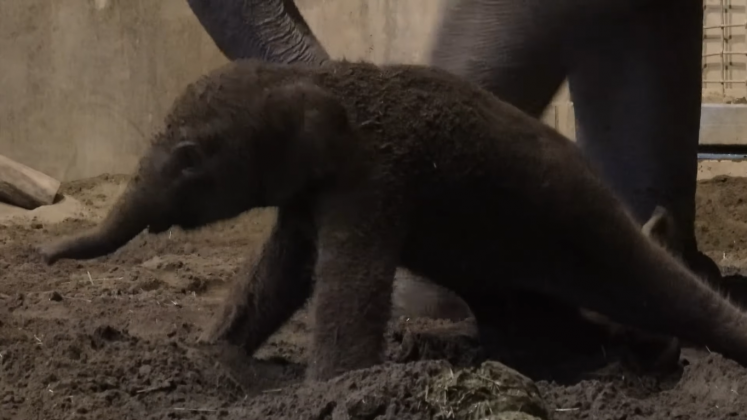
115,338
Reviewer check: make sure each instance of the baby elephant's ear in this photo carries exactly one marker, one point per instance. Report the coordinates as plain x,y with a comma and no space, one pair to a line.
311,128
316,113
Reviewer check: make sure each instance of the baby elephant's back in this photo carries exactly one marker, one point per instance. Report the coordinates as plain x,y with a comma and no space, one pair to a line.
412,111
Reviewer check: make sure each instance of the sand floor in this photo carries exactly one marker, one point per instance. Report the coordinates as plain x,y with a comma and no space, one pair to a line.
113,337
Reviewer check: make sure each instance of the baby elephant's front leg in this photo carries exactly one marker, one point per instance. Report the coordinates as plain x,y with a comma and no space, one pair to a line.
352,297
268,290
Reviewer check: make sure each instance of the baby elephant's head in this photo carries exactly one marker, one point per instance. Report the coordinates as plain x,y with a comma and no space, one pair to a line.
225,149
222,157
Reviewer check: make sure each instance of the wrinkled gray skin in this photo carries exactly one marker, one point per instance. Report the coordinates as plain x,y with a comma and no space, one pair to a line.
637,118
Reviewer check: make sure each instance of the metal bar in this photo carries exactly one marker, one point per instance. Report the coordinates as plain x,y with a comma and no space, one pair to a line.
703,52
731,25
725,53
721,156
725,81
723,46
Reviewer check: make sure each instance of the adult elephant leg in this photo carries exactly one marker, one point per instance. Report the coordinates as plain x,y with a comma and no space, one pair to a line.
518,49
506,47
636,89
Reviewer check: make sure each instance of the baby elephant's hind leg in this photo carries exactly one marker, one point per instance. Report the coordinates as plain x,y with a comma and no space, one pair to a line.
269,290
633,281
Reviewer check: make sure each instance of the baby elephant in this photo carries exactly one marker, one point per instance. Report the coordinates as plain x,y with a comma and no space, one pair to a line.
372,168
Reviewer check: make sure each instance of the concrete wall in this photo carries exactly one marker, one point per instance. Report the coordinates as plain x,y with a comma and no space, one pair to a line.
85,82
376,30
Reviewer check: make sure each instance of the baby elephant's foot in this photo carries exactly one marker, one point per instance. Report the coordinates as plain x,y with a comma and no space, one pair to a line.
48,252
333,355
229,326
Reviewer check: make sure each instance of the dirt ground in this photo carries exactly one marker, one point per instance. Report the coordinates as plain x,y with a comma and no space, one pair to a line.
114,337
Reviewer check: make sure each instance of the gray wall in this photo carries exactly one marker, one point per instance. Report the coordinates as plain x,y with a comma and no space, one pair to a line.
85,82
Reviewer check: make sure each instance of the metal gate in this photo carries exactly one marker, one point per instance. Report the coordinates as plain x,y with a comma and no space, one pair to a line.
724,51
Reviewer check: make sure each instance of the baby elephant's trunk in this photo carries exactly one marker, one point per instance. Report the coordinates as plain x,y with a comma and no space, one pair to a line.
127,218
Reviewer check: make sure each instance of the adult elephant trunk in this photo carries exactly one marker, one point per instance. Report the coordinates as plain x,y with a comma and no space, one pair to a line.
271,30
